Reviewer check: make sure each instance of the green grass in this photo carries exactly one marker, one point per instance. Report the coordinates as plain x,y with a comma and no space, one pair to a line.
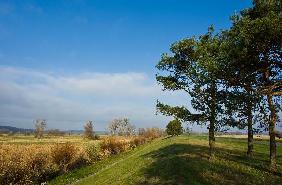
182,160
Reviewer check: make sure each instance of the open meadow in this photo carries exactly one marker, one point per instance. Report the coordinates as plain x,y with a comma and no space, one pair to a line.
20,139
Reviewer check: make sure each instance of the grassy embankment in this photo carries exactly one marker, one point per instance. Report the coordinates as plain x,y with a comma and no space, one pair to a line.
182,160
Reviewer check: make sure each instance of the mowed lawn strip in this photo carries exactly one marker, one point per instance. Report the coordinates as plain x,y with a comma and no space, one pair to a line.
76,175
128,171
183,160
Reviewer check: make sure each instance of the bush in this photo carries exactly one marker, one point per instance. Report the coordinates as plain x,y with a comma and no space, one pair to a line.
114,145
96,137
93,152
174,128
138,141
66,157
151,133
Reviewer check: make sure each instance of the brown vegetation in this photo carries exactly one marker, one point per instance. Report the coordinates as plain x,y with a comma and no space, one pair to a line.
37,163
151,133
25,164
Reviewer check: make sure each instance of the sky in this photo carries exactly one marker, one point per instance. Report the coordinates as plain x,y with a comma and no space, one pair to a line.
69,61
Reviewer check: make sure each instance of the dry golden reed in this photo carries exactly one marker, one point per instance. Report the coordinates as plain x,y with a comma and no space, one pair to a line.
25,164
37,163
34,164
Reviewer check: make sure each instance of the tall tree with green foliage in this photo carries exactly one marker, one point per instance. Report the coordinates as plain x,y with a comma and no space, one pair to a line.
192,68
241,102
254,52
241,105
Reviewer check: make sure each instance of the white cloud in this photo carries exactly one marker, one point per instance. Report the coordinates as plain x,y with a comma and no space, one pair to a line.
118,84
66,101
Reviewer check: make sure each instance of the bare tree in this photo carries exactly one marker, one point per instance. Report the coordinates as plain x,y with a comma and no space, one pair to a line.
88,130
121,127
40,125
114,126
130,130
141,131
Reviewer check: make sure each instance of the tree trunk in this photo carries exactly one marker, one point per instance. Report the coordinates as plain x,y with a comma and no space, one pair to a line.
212,119
272,121
250,129
211,138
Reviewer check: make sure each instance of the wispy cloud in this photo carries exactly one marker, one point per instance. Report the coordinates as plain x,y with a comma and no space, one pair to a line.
68,100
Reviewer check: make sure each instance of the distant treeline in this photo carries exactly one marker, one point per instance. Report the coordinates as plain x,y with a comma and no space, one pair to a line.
16,130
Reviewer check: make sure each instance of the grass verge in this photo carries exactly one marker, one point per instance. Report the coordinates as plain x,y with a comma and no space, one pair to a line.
182,160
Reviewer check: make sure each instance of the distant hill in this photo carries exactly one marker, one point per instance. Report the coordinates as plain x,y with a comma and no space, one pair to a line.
9,129
82,131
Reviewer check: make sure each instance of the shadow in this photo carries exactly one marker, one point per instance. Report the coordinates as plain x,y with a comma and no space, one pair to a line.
190,164
259,160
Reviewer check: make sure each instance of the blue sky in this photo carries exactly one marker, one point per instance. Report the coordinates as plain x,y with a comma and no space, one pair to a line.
103,35
81,60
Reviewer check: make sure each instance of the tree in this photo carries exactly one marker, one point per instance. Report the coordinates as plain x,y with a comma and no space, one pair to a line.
88,130
40,125
241,104
114,126
121,127
255,53
141,131
174,128
192,68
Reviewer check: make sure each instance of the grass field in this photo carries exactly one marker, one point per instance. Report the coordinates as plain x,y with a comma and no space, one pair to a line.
182,160
27,140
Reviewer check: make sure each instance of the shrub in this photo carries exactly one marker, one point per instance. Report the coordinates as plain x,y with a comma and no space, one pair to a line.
66,157
174,128
41,169
151,133
96,137
114,145
93,152
136,141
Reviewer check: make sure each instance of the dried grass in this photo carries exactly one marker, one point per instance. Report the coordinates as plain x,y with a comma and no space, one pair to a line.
37,163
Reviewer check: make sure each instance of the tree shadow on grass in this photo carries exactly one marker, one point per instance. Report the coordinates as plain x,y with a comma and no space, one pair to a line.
190,164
